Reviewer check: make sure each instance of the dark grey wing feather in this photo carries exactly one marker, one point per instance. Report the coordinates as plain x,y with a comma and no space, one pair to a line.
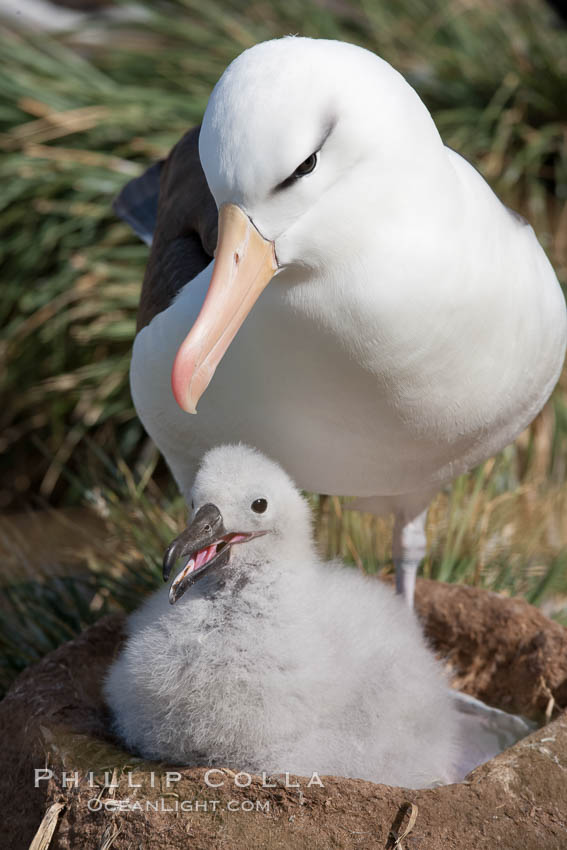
137,203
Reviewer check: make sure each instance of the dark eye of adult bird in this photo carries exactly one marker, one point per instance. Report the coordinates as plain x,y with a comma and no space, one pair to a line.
306,166
259,506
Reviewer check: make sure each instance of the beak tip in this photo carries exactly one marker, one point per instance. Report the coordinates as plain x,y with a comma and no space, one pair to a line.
189,407
182,394
185,402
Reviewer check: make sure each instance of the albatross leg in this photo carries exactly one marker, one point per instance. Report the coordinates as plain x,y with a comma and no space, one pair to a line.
408,549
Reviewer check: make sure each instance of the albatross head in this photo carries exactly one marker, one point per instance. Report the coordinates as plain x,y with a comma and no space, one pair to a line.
245,512
308,146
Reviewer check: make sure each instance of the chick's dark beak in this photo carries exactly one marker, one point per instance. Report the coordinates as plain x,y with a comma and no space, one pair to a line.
202,543
203,531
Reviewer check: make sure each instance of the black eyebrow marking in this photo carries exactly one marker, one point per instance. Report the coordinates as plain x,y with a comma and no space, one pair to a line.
331,124
292,178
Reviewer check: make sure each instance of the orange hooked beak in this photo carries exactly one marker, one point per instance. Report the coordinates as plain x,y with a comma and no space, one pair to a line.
245,263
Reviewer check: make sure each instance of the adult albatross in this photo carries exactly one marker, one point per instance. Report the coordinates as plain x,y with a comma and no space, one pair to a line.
413,325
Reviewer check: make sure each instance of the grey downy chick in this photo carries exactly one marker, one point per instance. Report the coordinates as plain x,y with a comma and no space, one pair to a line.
273,660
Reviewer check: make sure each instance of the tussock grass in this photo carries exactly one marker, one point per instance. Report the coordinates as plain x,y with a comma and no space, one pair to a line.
78,118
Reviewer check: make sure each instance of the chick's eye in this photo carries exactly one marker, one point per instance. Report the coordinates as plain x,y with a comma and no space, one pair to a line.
259,506
306,166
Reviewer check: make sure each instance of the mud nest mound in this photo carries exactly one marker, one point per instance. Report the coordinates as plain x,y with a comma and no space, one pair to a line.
503,651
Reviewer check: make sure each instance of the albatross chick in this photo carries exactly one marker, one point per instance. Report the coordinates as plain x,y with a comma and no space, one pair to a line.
263,657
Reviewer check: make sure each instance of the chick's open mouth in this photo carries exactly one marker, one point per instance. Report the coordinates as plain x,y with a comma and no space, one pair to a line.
204,557
200,561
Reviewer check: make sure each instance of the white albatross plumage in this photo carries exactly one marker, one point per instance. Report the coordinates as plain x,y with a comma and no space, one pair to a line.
414,325
277,661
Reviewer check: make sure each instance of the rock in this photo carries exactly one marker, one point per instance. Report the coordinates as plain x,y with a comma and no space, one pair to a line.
503,651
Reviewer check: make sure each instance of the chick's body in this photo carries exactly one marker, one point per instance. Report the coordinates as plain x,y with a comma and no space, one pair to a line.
281,662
